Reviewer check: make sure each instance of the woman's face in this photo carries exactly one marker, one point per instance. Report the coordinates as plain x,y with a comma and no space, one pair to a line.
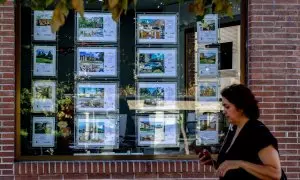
231,112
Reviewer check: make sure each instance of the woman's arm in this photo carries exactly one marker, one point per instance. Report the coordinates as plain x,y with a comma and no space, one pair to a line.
269,170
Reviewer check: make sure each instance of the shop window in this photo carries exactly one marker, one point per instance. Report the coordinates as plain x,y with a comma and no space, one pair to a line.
145,87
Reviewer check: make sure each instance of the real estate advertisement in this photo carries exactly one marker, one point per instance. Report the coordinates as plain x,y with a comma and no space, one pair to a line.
207,128
44,61
208,62
207,91
97,131
44,96
97,61
157,95
96,97
156,28
158,130
96,27
43,131
156,62
42,26
207,29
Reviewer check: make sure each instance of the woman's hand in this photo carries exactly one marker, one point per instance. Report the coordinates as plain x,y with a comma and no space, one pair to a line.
228,165
205,158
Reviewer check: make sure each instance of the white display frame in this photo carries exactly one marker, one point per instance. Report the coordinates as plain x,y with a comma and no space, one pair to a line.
113,72
207,132
208,36
204,85
160,16
170,104
44,69
165,51
44,105
43,139
109,35
115,97
109,122
205,69
43,33
164,119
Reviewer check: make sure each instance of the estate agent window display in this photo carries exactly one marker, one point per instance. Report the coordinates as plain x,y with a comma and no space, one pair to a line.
116,89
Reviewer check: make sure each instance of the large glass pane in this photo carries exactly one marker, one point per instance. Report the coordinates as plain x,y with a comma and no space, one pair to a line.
146,85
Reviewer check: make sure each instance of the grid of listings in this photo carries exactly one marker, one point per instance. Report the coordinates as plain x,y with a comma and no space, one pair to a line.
157,75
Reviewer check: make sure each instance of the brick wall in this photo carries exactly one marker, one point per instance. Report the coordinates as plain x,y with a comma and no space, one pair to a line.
112,170
7,89
274,72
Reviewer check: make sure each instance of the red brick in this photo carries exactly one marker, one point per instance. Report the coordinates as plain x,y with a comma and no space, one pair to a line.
75,176
50,177
7,175
58,169
98,176
170,175
146,175
122,176
192,175
28,177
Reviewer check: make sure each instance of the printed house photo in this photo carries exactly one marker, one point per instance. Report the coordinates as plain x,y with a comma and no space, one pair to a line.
43,92
42,128
208,58
208,25
91,132
151,28
43,21
208,91
91,103
91,61
90,92
90,27
151,131
152,96
151,63
44,56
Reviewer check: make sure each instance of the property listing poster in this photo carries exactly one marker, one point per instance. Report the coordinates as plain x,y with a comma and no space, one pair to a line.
96,97
207,128
207,29
43,131
44,95
96,27
98,131
44,61
96,61
208,62
157,95
156,130
42,26
157,62
207,91
156,28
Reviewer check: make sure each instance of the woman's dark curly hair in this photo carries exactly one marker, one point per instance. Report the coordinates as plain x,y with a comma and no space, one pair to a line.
243,99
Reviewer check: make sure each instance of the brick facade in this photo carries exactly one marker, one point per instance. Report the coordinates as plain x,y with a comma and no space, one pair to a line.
7,89
273,66
273,74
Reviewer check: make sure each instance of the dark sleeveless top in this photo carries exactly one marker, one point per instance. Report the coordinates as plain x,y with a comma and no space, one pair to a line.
253,137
